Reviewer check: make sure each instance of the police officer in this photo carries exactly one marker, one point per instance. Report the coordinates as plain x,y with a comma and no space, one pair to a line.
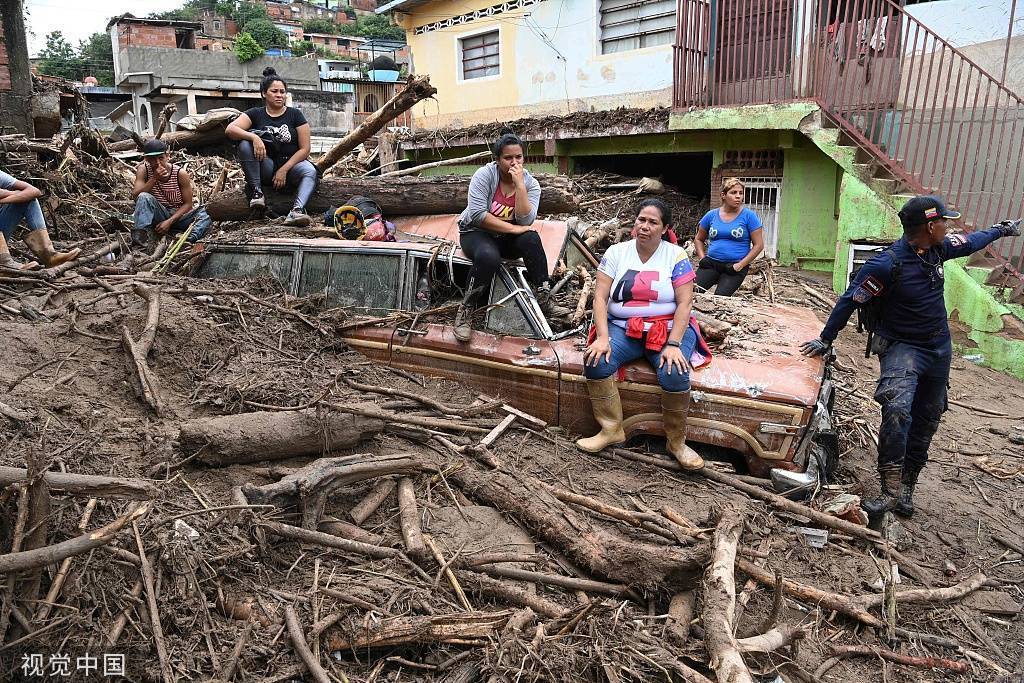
911,338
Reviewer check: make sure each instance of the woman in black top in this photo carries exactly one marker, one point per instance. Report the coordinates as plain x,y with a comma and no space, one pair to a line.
274,146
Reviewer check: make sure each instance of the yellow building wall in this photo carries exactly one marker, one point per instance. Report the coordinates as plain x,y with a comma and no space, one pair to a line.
437,53
551,64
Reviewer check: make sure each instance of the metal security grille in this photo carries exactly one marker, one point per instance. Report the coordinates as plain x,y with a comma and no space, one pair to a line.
480,55
633,24
763,196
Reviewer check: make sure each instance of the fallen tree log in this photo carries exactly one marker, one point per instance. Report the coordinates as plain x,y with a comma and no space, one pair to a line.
843,604
416,89
510,593
368,505
251,437
87,484
910,597
327,475
409,519
143,379
773,499
209,132
40,557
843,651
180,139
604,552
720,602
446,628
406,196
479,156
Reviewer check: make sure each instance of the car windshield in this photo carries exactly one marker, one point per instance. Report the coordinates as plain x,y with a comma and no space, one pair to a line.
374,281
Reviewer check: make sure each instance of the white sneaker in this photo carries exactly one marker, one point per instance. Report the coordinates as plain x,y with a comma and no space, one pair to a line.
298,218
257,201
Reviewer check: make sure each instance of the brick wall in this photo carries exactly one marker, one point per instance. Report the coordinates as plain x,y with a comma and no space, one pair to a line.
141,35
5,70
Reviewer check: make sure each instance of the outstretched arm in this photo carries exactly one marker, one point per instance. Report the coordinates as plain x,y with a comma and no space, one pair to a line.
872,280
965,244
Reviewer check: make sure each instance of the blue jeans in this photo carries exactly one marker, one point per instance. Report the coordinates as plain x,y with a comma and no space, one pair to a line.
12,214
626,349
149,211
912,393
302,174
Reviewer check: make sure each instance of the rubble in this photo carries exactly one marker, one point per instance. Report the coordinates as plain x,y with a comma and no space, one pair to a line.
347,521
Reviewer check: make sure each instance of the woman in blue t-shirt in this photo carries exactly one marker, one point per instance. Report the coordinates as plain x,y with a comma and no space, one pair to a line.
728,239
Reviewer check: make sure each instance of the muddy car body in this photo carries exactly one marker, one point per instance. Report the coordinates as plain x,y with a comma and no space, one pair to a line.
763,400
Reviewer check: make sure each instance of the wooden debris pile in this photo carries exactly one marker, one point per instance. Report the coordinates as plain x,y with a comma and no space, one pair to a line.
201,476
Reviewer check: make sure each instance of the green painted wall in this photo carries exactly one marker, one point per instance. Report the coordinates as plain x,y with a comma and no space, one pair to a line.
863,216
807,220
776,117
976,307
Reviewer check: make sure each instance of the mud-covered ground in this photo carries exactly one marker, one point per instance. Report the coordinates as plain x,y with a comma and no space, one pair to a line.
221,353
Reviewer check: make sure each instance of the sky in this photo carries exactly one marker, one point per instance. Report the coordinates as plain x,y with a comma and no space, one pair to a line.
78,19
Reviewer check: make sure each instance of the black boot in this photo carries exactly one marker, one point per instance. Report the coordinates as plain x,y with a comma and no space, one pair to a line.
905,502
889,478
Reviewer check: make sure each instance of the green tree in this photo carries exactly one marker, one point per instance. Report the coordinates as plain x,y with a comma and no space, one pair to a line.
266,34
97,57
59,58
246,47
191,9
379,26
185,13
304,47
248,11
320,25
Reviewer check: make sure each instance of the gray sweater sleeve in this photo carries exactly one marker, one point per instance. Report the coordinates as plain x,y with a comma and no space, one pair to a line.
481,189
533,192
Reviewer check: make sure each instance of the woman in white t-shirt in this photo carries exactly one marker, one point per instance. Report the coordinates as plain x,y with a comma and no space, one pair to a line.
642,308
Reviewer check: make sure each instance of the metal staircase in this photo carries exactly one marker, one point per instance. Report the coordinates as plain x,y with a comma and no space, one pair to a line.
919,114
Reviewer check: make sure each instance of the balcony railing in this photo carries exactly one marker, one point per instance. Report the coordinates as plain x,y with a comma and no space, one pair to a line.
919,107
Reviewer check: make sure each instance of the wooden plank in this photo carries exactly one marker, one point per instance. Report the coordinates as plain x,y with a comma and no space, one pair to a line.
497,431
525,417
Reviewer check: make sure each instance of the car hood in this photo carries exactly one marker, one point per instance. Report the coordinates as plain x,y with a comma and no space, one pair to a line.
760,358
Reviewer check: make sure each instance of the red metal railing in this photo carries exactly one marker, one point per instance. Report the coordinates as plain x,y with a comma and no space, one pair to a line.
921,109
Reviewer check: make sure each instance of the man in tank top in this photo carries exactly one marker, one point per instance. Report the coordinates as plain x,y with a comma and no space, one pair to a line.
163,198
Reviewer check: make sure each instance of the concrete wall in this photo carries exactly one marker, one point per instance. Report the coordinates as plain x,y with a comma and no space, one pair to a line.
328,113
207,70
15,79
550,63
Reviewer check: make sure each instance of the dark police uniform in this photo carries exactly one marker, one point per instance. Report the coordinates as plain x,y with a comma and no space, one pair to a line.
913,342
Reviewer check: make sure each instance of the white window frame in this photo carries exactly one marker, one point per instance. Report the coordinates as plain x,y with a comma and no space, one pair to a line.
769,219
599,42
459,76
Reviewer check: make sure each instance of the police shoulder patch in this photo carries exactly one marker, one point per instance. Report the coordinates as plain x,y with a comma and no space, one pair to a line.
872,285
957,240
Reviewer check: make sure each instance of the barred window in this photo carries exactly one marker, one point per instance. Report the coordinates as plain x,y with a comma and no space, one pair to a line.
633,24
479,56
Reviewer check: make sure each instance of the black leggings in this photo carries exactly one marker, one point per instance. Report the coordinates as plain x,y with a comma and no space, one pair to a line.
486,249
711,271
